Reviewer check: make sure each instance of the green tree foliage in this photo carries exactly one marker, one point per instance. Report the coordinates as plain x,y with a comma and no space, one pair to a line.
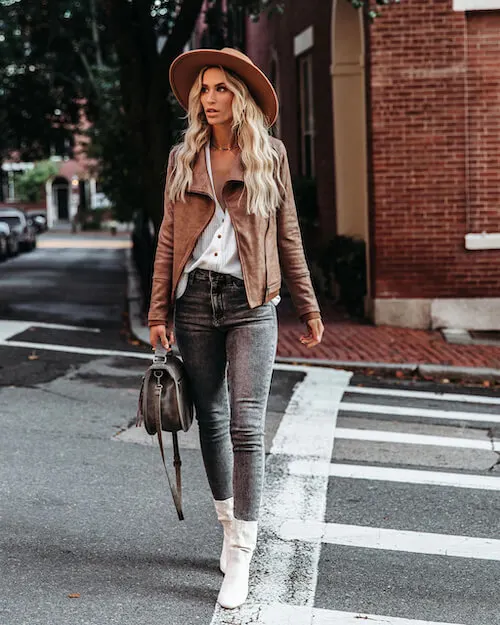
372,7
112,58
30,185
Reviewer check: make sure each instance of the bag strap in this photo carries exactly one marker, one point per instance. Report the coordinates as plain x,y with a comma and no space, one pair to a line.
176,493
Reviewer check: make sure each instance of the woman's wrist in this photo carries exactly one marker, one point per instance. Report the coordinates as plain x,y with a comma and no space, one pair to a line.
315,314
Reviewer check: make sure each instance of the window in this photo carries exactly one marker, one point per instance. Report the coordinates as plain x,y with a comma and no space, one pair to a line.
306,111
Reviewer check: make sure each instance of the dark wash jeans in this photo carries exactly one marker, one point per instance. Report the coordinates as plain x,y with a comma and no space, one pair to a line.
228,351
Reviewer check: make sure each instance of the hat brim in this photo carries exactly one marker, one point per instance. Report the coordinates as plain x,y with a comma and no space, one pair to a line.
186,67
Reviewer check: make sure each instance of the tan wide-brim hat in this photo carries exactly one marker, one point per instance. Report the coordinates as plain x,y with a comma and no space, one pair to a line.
186,67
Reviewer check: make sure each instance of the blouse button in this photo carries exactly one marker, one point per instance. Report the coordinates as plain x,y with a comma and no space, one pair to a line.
216,254
219,236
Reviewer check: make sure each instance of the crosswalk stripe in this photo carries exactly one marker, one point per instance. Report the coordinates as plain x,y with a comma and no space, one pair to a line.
283,614
332,617
392,540
428,413
392,392
389,474
380,436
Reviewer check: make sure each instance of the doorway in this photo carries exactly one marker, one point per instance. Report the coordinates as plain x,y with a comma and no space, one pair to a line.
60,191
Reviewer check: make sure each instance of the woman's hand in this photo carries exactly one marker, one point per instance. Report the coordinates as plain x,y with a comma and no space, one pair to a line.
315,334
159,333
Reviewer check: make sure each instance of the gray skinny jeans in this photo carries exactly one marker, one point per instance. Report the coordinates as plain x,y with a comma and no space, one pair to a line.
224,343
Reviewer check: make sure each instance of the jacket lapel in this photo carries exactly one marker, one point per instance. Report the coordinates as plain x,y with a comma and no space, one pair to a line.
201,181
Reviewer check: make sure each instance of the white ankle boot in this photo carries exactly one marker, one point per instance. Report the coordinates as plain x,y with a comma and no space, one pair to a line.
225,515
234,590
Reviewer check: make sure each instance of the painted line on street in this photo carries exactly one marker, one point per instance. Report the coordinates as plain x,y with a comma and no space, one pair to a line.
71,349
474,399
403,438
388,474
392,540
91,351
85,244
10,328
280,366
279,614
275,574
428,413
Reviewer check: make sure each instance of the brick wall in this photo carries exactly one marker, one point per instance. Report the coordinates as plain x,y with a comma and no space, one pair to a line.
422,71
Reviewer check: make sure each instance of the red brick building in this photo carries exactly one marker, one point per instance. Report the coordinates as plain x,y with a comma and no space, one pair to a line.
399,123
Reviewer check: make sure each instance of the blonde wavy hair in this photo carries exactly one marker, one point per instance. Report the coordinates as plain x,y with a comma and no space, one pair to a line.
261,161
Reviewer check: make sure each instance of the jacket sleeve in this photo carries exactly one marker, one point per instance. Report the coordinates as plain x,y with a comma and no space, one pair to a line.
162,274
291,251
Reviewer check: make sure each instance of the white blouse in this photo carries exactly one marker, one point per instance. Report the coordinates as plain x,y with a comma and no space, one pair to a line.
216,248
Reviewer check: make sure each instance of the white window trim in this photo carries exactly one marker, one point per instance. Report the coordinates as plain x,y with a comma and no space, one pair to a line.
303,42
475,5
305,64
482,241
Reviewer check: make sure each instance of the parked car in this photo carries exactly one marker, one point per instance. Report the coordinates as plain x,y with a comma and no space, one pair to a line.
19,222
39,221
11,239
4,244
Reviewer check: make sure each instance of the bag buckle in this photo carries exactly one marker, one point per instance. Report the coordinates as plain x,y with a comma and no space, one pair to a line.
160,355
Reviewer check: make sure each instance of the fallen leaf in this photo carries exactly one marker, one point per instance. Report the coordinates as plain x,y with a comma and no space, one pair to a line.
486,383
33,356
445,381
399,374
74,595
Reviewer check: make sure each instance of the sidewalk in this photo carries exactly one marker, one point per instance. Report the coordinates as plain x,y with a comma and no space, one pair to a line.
359,345
347,340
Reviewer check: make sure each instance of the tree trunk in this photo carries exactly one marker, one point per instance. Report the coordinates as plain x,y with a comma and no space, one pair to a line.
145,88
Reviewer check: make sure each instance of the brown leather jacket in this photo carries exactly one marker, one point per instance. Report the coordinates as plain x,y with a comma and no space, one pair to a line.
264,244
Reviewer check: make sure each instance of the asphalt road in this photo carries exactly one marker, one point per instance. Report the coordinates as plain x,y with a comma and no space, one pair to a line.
376,502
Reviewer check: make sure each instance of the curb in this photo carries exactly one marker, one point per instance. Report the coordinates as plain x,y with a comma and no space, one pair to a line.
141,333
422,370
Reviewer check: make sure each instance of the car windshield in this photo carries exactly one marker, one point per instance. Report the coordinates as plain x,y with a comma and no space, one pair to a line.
11,220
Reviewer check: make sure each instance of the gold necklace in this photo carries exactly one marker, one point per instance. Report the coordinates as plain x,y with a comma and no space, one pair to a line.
216,147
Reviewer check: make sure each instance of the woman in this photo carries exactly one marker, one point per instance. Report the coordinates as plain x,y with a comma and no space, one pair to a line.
229,222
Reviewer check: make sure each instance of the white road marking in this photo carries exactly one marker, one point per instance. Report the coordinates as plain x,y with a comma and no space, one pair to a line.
280,366
392,540
279,614
388,474
428,413
404,438
11,328
70,349
306,431
390,392
91,351
84,244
